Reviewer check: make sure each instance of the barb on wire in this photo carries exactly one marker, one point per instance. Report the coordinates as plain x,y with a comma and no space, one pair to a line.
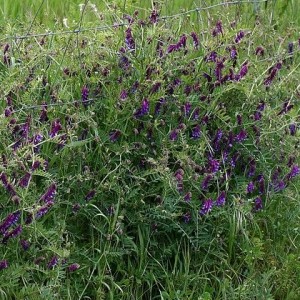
116,25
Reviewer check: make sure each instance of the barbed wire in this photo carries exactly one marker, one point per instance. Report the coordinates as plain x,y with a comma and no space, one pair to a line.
116,25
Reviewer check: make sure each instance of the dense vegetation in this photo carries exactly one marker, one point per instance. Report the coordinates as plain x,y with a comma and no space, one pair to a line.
153,159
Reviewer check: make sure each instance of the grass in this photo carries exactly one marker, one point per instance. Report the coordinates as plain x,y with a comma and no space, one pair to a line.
118,211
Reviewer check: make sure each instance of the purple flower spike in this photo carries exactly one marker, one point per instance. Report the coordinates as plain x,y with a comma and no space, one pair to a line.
252,168
260,51
43,210
295,170
73,267
206,207
50,194
241,136
293,129
195,40
143,110
9,221
218,28
243,72
221,199
279,186
85,96
186,217
12,234
53,262
129,41
196,132
174,134
123,95
25,245
158,105
250,187
187,197
3,264
25,180
55,128
239,36
206,182
214,165
90,195
154,16
258,205
272,74
114,135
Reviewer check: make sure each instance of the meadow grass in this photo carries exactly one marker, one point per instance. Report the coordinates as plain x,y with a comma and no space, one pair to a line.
106,190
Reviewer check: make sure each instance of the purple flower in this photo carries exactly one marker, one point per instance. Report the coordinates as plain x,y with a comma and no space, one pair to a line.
272,74
252,168
206,207
43,210
156,86
25,180
196,132
214,165
53,262
233,53
129,41
212,56
9,221
206,182
174,134
243,71
50,194
187,197
221,199
25,244
35,165
287,106
261,106
186,217
123,95
143,110
291,48
90,195
196,113
114,135
241,136
259,51
279,186
250,187
218,28
239,36
73,267
12,234
258,205
217,138
154,16
218,71
293,129
55,128
261,184
295,170
3,264
257,116
187,108
158,105
195,40
85,95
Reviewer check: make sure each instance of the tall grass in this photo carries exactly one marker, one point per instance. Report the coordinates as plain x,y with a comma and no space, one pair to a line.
118,210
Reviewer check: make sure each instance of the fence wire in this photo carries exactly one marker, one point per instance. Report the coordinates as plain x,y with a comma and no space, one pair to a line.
116,25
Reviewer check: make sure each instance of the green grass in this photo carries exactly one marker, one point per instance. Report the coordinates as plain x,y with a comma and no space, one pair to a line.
130,239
